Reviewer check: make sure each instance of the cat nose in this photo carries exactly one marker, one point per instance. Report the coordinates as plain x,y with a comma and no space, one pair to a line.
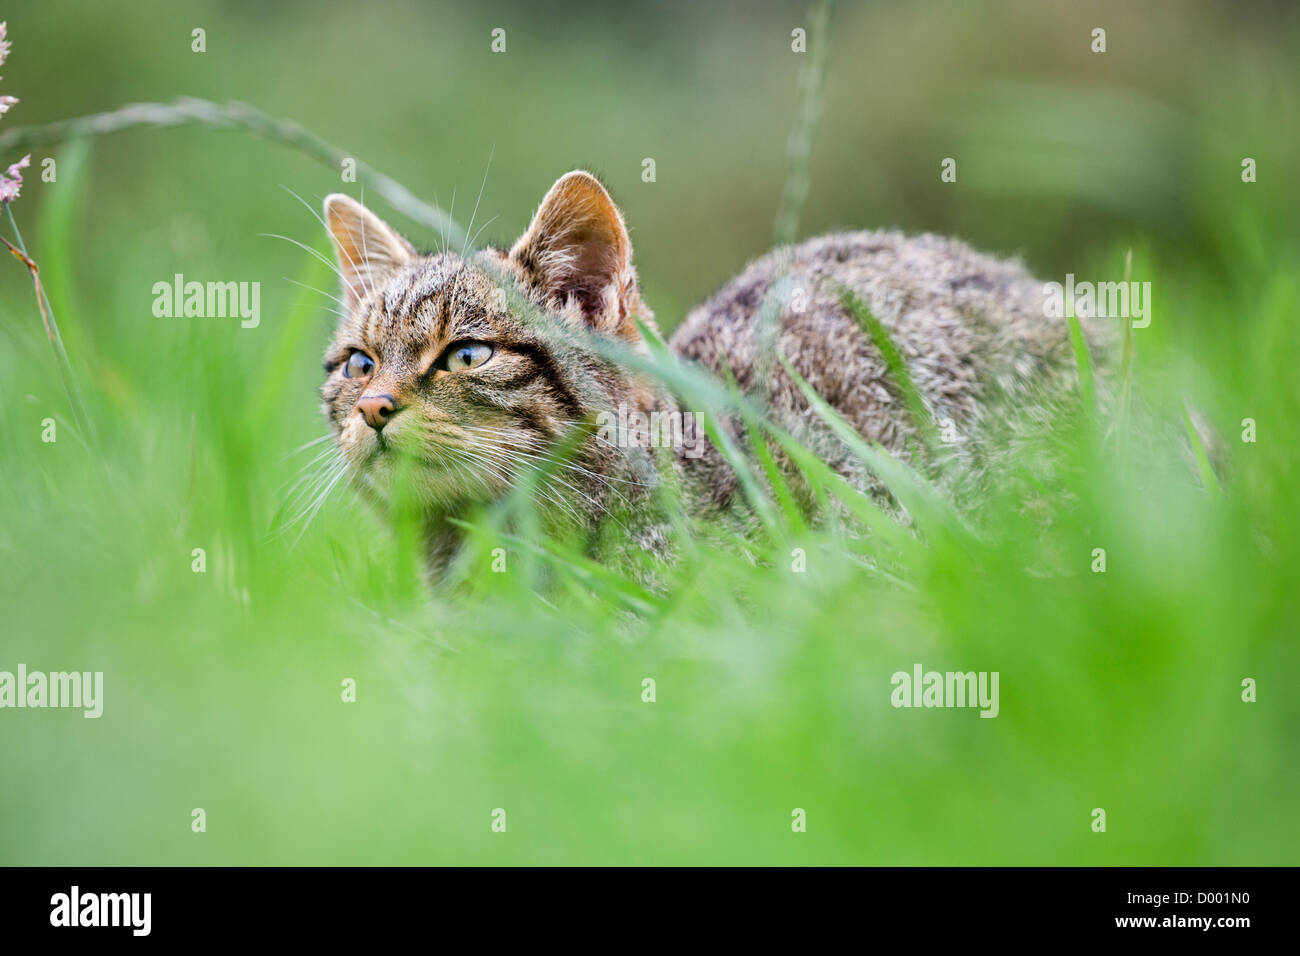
377,409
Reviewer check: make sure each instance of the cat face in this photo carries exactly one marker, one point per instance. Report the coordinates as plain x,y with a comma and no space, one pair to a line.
440,368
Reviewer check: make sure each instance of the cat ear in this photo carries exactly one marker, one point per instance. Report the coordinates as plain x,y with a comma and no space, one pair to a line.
578,253
367,248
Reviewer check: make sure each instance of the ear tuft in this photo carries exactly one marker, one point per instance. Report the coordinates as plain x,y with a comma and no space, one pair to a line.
577,251
367,248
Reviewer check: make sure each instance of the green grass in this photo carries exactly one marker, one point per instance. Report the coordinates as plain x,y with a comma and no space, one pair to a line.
523,690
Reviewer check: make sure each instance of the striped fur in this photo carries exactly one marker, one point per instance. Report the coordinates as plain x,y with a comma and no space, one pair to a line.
970,328
468,437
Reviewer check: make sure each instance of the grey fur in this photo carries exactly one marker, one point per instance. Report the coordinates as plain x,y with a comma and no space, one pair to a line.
970,328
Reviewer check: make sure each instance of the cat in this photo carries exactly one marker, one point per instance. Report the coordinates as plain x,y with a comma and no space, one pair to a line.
466,373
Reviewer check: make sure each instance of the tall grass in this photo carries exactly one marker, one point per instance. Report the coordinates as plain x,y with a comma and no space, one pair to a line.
524,690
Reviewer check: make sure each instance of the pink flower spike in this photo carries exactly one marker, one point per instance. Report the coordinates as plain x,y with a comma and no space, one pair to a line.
23,163
6,102
4,46
9,189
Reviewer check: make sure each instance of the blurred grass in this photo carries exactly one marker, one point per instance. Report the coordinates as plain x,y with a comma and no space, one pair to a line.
523,690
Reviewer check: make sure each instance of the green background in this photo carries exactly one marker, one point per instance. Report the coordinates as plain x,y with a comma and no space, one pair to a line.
1119,690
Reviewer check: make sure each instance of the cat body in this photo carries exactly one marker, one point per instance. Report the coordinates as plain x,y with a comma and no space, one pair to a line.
970,329
466,374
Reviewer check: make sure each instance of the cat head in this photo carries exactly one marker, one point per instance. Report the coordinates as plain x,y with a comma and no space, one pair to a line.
464,370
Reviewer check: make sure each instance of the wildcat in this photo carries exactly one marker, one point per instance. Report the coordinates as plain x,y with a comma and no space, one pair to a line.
466,373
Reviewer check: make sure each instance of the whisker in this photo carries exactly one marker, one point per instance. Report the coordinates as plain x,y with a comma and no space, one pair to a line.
320,501
312,288
365,253
470,227
446,241
303,447
556,478
480,229
308,249
338,245
306,491
510,439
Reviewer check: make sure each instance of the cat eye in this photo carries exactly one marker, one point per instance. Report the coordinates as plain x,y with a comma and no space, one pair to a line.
358,365
462,356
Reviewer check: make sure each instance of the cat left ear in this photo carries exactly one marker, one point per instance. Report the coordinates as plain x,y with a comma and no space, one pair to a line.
577,251
367,248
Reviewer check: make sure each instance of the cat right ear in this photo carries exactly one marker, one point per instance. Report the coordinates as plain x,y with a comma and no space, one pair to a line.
578,253
367,248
